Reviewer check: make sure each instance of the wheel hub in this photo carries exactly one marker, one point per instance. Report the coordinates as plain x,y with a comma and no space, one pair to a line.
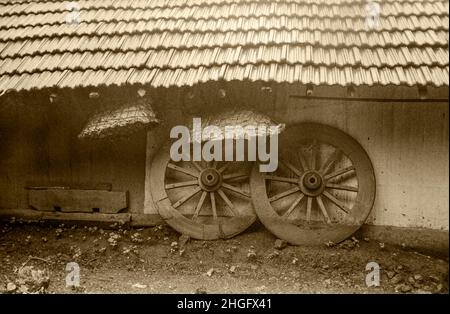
210,179
311,183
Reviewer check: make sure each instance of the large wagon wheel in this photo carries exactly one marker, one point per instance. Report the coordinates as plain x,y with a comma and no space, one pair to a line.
205,200
323,190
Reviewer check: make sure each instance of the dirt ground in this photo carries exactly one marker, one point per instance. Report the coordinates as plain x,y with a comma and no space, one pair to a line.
155,260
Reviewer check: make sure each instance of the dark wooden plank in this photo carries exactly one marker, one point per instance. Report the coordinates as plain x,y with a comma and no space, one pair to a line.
68,186
122,219
78,200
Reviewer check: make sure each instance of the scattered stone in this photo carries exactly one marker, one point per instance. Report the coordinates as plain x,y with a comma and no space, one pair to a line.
405,288
273,255
113,239
232,269
251,255
327,282
439,288
44,239
23,289
330,244
35,279
280,244
325,267
210,272
398,268
418,277
59,232
182,251
261,288
139,286
11,287
294,261
382,246
367,239
130,249
201,290
234,248
174,245
397,279
136,238
348,244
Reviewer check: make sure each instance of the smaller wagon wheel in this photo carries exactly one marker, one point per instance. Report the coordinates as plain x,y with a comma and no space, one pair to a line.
205,200
323,190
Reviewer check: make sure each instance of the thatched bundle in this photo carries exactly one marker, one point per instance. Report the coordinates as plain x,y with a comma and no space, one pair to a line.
120,122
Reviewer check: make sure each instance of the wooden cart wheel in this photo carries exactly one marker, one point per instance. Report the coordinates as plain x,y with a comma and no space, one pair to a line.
204,200
323,190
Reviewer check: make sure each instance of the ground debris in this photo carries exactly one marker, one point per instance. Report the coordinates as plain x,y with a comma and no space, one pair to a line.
32,280
280,244
273,255
210,272
139,286
251,255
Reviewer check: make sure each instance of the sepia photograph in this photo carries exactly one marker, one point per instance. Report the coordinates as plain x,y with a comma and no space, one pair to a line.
242,149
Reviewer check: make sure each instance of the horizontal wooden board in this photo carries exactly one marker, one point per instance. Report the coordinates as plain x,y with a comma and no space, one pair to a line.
73,201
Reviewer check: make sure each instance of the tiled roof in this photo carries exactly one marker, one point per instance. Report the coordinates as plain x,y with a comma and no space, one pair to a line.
184,42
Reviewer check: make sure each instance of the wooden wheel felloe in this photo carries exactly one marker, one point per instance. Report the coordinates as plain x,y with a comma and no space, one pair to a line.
204,200
323,190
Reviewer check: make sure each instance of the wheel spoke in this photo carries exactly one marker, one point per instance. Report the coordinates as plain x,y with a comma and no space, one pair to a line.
337,202
308,209
180,184
281,179
224,167
314,155
235,189
341,187
284,194
183,170
302,160
328,165
212,195
227,201
197,166
186,198
291,167
199,205
295,204
323,209
339,172
233,176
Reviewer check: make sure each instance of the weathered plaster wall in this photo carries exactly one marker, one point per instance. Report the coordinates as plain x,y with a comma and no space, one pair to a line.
39,146
407,141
